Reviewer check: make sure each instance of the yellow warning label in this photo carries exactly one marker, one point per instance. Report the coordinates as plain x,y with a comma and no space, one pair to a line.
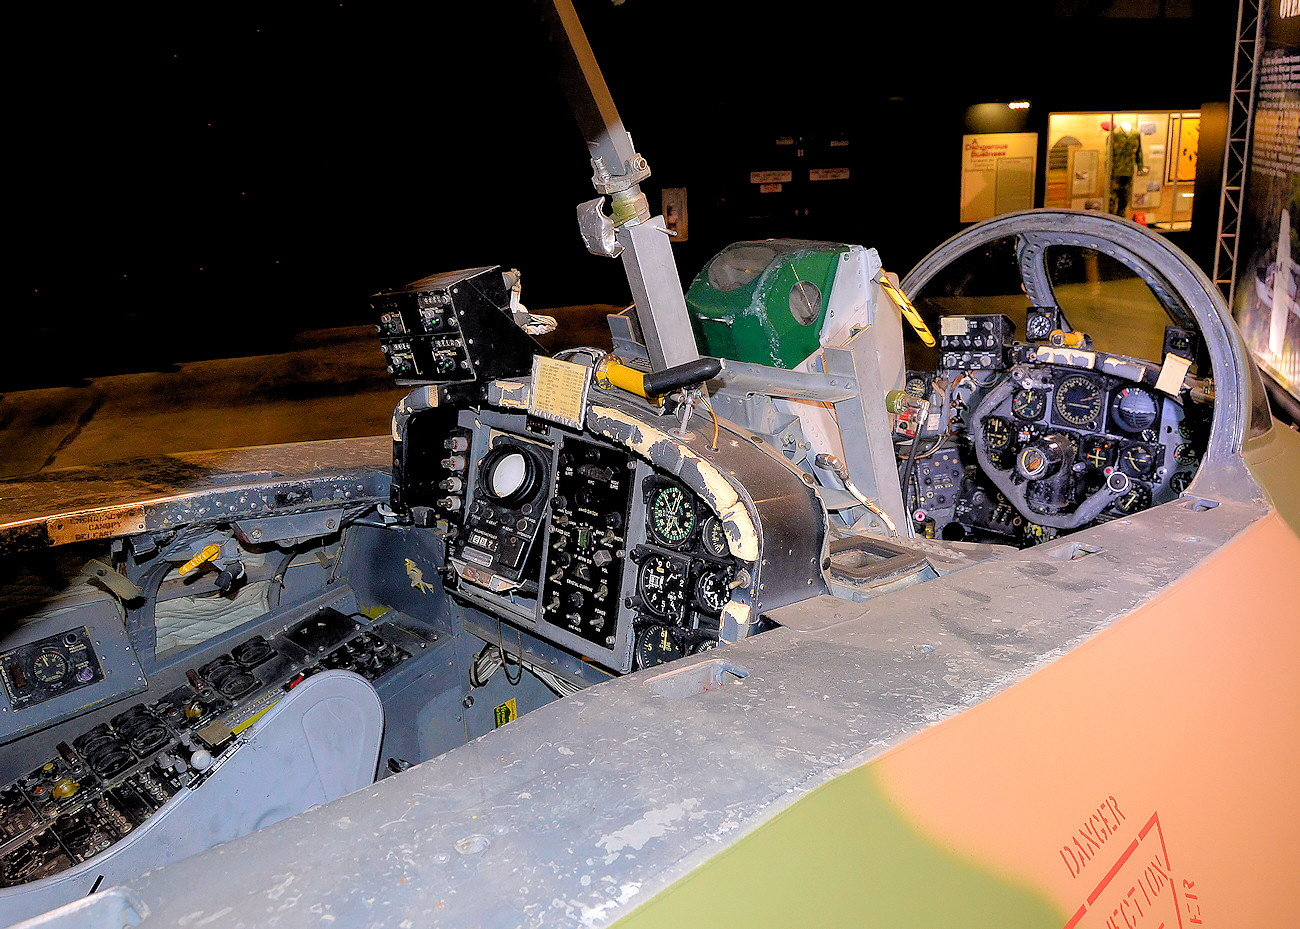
506,712
95,524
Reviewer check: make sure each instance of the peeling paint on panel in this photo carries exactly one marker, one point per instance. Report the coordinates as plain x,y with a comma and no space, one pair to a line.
661,449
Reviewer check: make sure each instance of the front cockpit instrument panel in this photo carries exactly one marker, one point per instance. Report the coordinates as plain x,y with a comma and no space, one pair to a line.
1043,439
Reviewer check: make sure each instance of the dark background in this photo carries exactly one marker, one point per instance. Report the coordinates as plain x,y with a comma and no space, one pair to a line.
205,180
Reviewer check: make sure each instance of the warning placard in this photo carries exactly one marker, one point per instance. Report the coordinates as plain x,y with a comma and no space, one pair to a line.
95,524
1137,892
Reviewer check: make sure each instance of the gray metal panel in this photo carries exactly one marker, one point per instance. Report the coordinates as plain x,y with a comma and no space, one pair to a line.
585,809
660,306
123,676
317,744
162,493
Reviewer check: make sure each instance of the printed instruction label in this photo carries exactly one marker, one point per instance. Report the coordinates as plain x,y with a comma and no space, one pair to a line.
507,712
559,391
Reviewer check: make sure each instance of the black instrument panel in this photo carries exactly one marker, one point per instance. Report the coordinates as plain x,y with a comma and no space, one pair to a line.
684,577
588,546
587,542
1063,434
54,665
117,774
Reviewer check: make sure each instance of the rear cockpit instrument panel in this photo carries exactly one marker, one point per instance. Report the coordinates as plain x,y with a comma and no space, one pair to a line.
685,574
587,545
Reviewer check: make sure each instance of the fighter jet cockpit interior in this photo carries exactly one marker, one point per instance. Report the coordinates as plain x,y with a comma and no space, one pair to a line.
548,523
187,665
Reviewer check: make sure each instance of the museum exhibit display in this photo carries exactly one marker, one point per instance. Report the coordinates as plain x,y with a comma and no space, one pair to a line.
829,596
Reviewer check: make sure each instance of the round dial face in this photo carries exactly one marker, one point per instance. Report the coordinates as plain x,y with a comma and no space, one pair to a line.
672,515
1099,454
1185,454
510,474
656,644
1038,326
1078,401
712,591
1137,498
997,433
1180,481
1135,409
704,645
49,667
714,536
1029,403
1137,460
663,585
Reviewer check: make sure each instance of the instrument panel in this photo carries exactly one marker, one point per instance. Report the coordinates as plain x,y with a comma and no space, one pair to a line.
1050,440
685,575
588,545
105,783
1095,426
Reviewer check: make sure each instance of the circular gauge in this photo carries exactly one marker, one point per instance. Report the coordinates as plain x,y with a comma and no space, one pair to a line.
1180,481
656,644
714,536
713,590
671,515
509,474
1099,453
1078,401
1029,403
663,585
1185,455
1136,499
1038,326
997,433
49,667
918,385
704,645
1135,409
1137,460
805,302
1041,459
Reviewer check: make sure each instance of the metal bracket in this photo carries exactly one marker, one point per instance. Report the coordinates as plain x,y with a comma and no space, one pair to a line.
598,230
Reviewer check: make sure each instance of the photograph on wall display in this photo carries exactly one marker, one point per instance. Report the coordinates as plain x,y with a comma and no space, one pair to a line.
1268,273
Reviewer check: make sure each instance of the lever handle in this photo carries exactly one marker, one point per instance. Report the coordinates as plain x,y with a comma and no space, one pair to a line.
683,375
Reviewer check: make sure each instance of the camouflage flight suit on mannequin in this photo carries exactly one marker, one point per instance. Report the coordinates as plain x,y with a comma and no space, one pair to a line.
1125,159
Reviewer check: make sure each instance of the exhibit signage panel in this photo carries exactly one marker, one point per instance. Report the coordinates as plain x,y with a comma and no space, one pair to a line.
1268,269
997,174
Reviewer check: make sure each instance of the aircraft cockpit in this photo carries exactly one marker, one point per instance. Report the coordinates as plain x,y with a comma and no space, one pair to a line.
203,647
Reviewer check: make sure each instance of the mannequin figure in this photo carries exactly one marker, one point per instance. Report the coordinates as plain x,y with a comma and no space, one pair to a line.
1125,160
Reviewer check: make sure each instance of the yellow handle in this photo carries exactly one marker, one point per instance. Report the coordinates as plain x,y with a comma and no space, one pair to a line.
208,554
611,372
905,307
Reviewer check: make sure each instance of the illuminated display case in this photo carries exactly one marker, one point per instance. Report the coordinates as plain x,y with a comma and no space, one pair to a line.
1141,166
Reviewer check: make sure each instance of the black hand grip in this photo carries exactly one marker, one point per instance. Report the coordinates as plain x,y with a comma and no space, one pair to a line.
682,375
